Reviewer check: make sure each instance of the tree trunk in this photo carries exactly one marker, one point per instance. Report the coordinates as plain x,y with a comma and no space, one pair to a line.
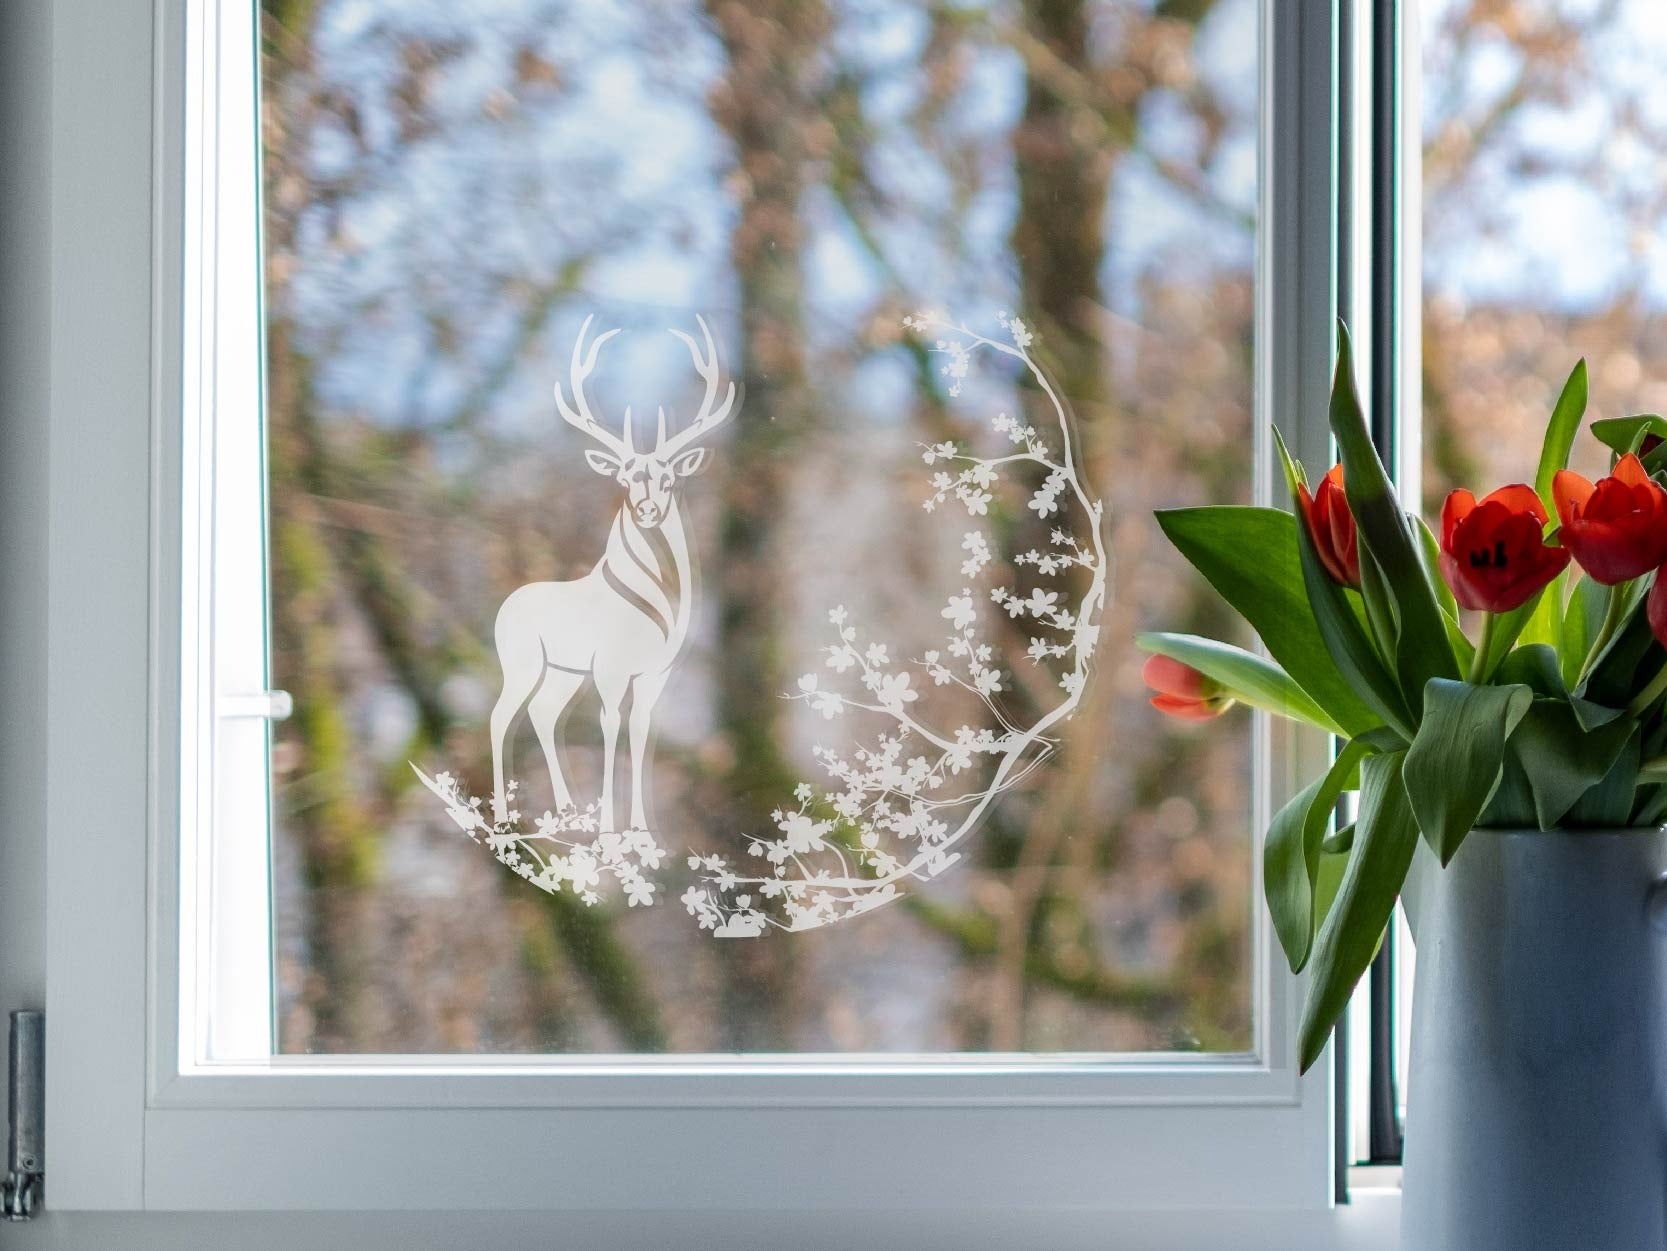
765,104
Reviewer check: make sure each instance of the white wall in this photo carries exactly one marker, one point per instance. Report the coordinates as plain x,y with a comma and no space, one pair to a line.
24,237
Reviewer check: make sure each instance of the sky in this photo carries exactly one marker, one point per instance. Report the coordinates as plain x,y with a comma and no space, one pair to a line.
1525,229
624,164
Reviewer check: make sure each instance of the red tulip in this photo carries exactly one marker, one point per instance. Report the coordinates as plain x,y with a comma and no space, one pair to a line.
1493,553
1332,526
1617,530
1183,691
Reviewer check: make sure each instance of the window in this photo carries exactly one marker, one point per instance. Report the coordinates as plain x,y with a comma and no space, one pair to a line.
392,1034
800,182
1538,135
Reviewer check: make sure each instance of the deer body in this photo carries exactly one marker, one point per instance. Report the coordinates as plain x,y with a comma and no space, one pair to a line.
622,624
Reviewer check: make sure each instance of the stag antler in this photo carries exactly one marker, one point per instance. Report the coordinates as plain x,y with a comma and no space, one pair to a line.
583,364
707,419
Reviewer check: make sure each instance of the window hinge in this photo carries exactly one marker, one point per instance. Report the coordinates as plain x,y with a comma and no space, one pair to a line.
20,1192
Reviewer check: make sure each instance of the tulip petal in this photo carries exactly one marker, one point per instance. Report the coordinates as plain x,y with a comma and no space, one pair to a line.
1459,505
1571,491
1187,709
1630,470
1519,498
1173,678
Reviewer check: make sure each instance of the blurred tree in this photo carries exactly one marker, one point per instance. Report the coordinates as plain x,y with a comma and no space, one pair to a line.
447,192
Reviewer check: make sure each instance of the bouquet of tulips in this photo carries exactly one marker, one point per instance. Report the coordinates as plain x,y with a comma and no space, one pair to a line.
1547,714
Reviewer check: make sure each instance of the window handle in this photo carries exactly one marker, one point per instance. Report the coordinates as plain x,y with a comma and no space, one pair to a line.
267,705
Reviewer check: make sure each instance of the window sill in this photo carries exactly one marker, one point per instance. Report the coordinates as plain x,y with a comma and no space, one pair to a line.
1370,1223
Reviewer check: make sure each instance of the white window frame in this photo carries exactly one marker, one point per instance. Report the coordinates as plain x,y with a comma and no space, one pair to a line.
151,320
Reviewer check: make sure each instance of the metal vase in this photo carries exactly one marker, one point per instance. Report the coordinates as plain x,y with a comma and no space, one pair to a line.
1537,1107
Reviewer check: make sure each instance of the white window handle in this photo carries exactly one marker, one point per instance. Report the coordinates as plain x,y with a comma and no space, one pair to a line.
269,705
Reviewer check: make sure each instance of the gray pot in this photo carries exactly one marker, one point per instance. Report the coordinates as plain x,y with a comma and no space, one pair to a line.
1537,1105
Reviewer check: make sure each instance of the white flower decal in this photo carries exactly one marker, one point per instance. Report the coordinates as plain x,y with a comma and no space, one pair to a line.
888,811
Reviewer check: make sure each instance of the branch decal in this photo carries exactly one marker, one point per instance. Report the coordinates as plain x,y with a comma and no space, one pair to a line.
894,807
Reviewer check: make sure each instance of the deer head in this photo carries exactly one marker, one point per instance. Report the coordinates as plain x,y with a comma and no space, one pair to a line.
649,477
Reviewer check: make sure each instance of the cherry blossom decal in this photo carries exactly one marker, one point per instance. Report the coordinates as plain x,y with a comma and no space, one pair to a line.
893,807
892,802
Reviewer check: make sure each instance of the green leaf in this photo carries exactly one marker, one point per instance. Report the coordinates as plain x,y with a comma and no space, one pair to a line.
1338,844
1291,852
1652,807
1582,620
1560,760
1333,864
1533,665
1381,617
1452,768
1591,715
1249,678
1512,805
1545,622
1422,650
1429,547
1269,593
1608,804
1514,624
1559,435
1621,434
1507,627
1463,650
1384,840
1536,666
1627,662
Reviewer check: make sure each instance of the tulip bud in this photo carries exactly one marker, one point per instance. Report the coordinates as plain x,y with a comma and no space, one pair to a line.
1331,525
1182,691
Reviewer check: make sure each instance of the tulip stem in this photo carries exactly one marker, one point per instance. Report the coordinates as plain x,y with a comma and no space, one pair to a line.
1654,691
1479,662
1482,648
1611,622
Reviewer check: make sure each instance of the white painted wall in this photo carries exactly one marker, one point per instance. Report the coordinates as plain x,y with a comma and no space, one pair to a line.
24,243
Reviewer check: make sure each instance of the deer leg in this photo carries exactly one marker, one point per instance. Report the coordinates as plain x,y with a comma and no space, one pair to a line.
544,711
644,692
611,687
523,666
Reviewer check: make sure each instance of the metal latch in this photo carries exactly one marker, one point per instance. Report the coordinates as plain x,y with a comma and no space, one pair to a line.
20,1192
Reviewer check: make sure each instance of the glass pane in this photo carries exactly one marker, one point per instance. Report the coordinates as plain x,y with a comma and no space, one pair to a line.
1544,128
844,626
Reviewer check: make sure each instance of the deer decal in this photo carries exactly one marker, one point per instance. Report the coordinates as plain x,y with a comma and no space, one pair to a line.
622,624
